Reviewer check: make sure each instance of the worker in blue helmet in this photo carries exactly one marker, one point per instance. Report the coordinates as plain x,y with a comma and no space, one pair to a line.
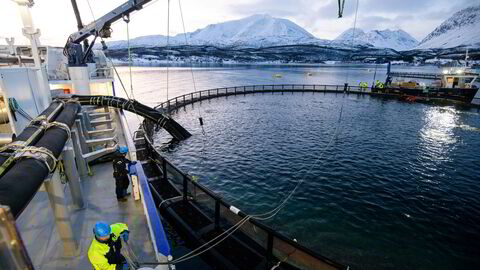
120,173
104,252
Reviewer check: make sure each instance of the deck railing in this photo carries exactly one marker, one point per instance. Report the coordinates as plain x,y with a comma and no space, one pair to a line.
183,100
223,214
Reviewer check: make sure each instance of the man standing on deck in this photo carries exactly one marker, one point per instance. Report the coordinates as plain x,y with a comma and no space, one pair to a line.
120,173
104,252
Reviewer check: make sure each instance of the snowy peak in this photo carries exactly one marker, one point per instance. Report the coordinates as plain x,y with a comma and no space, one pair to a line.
256,26
394,39
259,30
463,28
350,33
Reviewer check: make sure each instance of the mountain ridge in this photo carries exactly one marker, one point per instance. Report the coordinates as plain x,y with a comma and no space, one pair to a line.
259,30
394,39
263,30
460,29
255,31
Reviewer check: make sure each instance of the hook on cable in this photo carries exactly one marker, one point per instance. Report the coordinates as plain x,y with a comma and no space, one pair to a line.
126,18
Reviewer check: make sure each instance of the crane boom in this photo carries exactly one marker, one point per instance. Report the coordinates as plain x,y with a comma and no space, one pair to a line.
104,22
97,28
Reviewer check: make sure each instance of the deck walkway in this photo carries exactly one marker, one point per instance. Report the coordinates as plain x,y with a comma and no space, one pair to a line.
37,224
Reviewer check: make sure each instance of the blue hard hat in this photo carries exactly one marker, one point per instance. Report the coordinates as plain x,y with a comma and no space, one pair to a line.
102,229
122,149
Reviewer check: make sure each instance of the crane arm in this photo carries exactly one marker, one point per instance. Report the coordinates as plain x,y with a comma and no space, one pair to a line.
101,26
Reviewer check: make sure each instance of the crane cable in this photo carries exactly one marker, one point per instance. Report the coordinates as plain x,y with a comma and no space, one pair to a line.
168,42
126,18
352,39
115,69
200,118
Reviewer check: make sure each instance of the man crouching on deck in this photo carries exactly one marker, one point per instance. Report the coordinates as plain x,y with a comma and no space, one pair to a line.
104,252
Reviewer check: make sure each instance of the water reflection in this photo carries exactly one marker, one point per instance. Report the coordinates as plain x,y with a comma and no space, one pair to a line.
437,134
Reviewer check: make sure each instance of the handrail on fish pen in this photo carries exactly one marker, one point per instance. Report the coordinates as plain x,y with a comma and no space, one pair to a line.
277,247
186,99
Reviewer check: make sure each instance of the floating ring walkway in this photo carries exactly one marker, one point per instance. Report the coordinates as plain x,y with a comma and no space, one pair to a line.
183,100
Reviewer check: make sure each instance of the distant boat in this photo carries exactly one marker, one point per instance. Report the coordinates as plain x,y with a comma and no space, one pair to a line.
309,74
277,75
451,84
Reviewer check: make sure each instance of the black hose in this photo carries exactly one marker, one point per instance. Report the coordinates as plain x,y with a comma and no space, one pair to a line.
157,117
30,132
19,185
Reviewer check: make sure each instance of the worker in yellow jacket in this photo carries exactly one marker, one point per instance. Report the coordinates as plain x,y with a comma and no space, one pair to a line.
104,252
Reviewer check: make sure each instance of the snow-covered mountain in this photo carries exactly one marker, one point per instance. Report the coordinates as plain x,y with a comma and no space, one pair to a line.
463,28
253,31
395,39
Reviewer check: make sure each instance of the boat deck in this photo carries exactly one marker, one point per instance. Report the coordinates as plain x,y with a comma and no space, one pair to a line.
37,223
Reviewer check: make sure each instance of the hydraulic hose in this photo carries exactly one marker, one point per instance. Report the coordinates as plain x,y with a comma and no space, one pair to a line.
157,117
32,133
21,182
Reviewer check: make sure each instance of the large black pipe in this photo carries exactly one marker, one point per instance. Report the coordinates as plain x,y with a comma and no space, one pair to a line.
32,133
21,182
169,124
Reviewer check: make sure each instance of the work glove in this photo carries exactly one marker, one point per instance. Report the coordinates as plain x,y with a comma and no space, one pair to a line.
124,236
131,168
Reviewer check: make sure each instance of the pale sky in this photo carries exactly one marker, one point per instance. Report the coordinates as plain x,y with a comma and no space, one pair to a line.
56,20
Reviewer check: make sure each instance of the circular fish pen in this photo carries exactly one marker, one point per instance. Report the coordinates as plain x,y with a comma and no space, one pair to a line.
381,187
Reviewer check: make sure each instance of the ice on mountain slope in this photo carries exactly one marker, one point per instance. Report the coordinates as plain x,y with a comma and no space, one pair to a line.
462,28
396,39
252,31
261,30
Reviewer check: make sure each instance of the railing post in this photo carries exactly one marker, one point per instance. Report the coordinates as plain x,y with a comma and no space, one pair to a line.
200,98
269,248
185,187
209,93
176,102
168,104
217,214
235,90
217,91
191,97
184,100
164,169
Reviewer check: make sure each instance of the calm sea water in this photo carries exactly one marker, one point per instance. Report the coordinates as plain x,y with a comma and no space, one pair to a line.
397,189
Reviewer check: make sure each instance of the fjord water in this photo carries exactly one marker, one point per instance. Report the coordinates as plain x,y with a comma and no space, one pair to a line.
397,189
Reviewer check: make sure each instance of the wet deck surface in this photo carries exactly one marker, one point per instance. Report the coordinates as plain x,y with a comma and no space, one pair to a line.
37,224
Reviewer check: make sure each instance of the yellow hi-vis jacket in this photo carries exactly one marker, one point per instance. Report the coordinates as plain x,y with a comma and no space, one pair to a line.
104,256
